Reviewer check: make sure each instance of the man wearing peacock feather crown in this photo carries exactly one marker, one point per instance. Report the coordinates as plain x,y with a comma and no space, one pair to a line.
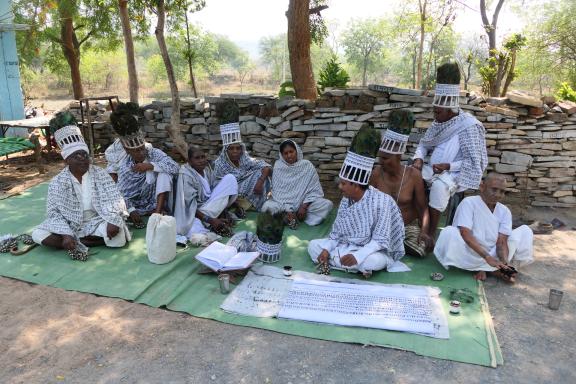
456,144
403,183
145,176
368,232
84,207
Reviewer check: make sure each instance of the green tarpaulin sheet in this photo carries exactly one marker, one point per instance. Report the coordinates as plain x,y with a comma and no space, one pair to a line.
126,273
10,145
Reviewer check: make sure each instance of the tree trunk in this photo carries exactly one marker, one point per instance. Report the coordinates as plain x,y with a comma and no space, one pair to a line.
364,70
421,45
490,29
299,41
71,48
192,80
174,128
414,68
510,74
467,77
129,48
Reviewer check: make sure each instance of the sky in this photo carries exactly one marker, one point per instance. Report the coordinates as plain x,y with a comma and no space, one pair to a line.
246,21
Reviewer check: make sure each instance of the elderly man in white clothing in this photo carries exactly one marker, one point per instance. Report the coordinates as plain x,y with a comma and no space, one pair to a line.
84,207
368,233
456,142
481,238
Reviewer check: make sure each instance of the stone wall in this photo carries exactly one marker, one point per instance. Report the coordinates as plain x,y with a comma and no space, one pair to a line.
532,143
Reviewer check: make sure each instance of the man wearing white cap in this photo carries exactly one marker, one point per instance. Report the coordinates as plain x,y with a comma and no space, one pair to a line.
368,233
456,142
84,207
403,183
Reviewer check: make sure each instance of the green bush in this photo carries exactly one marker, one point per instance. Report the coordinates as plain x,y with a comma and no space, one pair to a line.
565,92
333,75
287,89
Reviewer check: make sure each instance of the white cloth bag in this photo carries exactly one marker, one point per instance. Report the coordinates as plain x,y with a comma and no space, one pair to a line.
160,239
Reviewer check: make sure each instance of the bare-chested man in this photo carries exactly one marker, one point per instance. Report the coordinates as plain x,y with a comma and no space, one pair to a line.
404,184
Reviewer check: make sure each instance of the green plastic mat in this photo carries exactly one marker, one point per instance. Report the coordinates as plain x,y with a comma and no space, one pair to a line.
126,273
10,145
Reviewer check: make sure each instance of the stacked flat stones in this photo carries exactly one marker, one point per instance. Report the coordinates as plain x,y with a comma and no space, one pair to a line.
532,143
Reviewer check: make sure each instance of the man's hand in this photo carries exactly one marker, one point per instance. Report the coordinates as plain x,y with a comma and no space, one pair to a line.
142,167
68,242
348,260
216,224
302,211
418,163
259,187
135,217
324,256
427,240
439,168
112,230
493,262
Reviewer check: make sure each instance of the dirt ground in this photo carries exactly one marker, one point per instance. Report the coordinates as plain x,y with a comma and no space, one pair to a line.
49,335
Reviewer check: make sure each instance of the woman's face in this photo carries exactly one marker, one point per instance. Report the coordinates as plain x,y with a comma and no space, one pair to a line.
289,154
198,161
234,152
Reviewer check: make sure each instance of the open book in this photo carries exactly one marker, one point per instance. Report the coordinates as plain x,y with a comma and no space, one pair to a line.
221,258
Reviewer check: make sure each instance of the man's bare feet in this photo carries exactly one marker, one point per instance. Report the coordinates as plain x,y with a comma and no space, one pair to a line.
480,275
367,275
510,279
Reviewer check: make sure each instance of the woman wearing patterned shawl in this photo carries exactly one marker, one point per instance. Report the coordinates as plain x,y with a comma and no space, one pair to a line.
252,175
296,188
84,207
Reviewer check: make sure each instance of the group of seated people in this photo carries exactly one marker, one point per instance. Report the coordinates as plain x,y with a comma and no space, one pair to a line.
384,213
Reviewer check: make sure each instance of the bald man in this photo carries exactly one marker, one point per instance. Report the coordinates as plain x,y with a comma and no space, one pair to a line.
481,238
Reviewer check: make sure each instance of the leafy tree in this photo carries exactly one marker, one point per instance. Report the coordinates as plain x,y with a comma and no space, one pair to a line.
71,25
333,75
274,56
554,36
242,65
500,66
363,44
468,53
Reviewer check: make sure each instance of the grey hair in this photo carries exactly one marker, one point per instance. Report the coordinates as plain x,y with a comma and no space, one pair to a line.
494,175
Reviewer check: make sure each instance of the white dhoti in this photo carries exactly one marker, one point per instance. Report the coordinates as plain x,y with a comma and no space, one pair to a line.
221,197
373,261
452,251
316,213
486,226
39,235
442,187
